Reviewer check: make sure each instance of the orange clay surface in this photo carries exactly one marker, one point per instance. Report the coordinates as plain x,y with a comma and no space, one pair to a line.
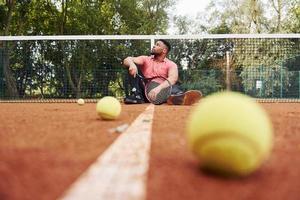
45,147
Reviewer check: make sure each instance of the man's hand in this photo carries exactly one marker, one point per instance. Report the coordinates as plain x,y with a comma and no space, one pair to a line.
132,70
131,63
153,93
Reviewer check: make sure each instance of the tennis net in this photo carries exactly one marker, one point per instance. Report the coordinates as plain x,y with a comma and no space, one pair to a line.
264,66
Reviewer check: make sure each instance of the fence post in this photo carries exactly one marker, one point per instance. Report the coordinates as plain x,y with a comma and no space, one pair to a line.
261,80
272,82
281,80
152,42
228,70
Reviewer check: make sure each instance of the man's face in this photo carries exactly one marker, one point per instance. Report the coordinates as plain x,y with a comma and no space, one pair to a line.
159,48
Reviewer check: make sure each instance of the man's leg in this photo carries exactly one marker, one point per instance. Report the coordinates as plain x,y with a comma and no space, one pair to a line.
176,90
137,95
178,97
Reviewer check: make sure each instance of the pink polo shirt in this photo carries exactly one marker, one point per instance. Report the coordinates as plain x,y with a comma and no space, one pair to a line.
151,68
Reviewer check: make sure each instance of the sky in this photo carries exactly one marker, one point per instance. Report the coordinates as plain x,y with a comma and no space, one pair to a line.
190,7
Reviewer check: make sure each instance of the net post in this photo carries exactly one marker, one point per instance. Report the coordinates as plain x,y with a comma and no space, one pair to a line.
228,71
152,41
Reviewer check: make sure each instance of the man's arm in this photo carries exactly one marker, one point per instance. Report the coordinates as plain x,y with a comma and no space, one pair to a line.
131,62
172,78
173,75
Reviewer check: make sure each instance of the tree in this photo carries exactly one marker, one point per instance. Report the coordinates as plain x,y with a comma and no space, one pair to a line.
56,66
244,16
278,7
8,9
182,24
248,16
292,22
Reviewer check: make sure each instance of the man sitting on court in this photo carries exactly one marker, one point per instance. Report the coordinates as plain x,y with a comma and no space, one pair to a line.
156,65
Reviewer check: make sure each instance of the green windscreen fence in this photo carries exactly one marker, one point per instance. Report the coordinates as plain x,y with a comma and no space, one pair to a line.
68,67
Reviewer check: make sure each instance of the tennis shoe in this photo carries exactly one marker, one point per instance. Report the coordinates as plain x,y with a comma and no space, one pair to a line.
188,98
134,99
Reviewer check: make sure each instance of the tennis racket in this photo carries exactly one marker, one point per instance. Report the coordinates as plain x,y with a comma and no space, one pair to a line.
151,83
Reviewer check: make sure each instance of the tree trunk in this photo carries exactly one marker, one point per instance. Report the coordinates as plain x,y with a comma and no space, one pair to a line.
76,83
278,10
10,81
11,85
255,15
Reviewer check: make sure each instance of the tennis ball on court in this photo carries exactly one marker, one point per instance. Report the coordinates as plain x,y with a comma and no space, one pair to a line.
108,108
80,102
230,133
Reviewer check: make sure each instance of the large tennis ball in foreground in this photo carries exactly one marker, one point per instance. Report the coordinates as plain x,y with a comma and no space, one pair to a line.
230,133
108,108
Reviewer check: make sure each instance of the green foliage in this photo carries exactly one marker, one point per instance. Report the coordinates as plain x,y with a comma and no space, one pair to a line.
223,28
293,23
2,82
256,52
2,17
33,17
249,16
207,81
199,54
92,68
275,82
75,68
182,24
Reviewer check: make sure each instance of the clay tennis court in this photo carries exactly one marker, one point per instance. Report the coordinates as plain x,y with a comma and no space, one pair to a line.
45,147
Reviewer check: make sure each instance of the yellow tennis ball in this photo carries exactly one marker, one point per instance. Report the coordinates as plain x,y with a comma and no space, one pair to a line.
80,102
108,108
230,133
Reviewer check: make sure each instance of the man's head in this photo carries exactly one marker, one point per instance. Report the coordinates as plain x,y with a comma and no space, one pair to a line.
161,47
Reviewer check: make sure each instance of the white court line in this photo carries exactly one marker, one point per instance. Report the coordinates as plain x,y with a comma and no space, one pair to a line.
121,171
